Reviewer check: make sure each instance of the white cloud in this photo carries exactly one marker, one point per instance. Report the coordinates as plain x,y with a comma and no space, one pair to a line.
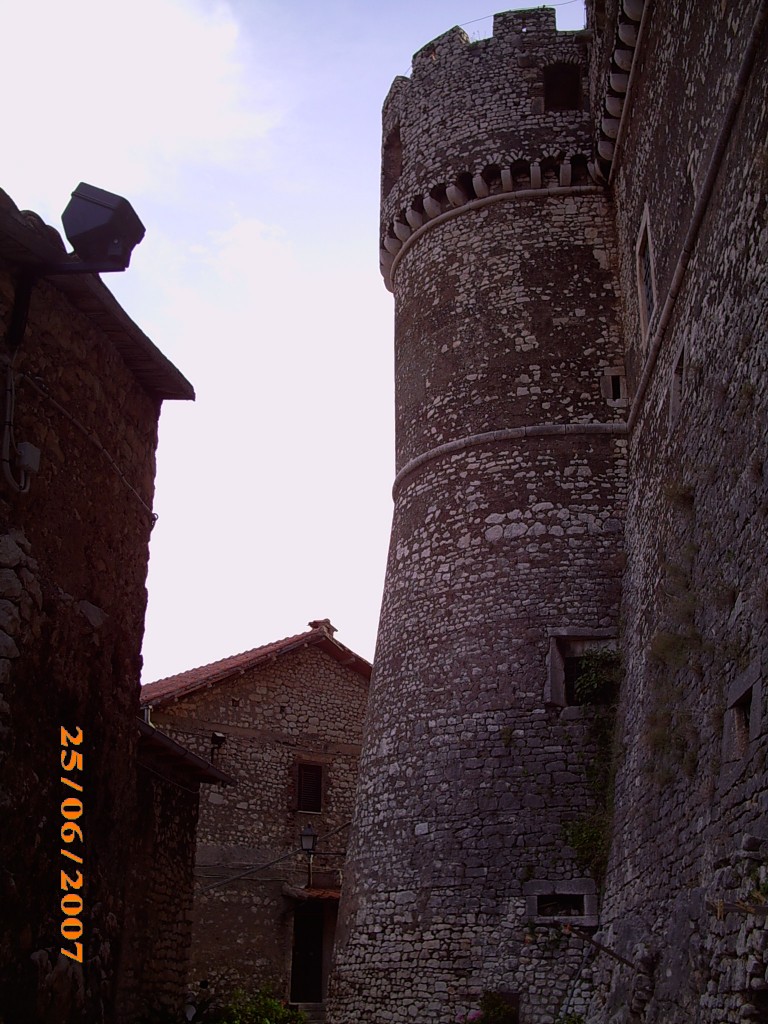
121,94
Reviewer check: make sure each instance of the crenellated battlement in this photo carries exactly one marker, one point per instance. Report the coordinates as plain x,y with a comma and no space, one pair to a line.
476,118
508,30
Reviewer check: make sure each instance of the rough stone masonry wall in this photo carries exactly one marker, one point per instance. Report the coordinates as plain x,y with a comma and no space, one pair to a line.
73,557
507,528
302,706
690,852
155,955
471,107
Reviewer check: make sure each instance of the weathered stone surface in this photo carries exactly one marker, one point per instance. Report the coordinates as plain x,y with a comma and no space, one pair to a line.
79,535
521,319
505,319
10,584
10,552
9,617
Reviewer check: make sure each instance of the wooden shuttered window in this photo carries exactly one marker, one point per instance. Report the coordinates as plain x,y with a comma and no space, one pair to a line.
309,789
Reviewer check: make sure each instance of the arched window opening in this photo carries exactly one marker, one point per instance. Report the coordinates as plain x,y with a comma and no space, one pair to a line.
391,160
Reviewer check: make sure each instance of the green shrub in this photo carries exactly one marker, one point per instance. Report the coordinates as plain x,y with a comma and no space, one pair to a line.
256,1008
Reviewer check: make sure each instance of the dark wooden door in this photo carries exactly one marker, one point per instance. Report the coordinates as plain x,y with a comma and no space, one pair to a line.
307,962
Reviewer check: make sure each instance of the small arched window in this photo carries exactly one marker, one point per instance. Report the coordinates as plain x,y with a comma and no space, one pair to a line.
562,87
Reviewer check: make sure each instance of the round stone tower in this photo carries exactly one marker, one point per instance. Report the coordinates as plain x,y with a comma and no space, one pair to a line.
482,759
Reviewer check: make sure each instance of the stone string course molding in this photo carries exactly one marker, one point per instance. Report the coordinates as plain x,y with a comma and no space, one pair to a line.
502,436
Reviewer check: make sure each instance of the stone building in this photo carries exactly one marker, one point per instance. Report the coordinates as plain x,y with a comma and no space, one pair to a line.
154,958
562,799
82,391
285,720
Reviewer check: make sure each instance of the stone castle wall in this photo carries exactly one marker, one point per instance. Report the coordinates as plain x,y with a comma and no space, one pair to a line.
155,952
506,544
691,834
74,623
572,344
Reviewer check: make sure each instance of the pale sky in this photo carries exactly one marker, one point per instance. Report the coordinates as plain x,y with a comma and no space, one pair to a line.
246,135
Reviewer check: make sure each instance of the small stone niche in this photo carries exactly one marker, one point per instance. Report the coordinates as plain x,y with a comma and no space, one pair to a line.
743,716
574,901
613,387
567,648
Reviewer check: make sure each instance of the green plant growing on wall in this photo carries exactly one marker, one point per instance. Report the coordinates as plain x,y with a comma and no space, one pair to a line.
673,649
671,734
590,834
679,494
590,837
597,681
571,1018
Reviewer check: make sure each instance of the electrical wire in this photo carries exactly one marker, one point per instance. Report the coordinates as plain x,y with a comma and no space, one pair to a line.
474,21
9,441
277,860
42,390
563,3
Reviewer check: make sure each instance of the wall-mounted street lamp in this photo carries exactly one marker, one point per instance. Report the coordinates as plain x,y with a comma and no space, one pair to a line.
217,741
103,230
308,844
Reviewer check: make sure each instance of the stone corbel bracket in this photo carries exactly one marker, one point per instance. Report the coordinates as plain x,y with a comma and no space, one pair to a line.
500,176
609,125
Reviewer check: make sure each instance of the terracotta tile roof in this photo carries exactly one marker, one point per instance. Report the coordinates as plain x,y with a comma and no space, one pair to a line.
176,687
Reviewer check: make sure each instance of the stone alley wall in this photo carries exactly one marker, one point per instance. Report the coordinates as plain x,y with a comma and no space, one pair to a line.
87,386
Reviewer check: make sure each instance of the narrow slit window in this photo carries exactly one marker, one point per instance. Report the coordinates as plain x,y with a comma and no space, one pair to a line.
647,278
743,720
677,387
742,714
646,282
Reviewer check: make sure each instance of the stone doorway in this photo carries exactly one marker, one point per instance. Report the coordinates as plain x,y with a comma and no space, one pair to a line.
307,958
